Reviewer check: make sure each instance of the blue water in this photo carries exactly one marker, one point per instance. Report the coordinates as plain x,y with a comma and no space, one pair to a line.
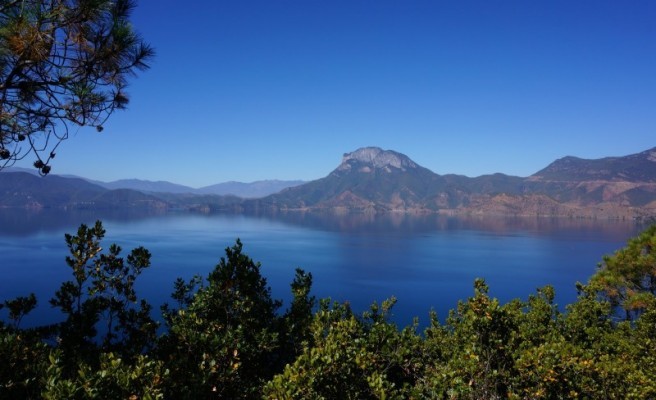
426,262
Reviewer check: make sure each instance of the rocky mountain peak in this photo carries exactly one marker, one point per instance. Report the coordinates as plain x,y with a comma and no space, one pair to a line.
375,158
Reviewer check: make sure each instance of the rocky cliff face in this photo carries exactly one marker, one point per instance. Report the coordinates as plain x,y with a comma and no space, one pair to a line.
367,159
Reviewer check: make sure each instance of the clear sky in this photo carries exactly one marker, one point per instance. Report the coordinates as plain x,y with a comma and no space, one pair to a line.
250,90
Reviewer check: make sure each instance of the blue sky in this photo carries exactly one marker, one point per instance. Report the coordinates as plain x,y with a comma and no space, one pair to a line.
251,90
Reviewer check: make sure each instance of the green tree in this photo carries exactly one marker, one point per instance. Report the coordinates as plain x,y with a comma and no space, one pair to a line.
352,358
628,278
114,378
547,364
471,356
63,63
102,297
19,307
225,339
297,321
23,368
226,343
642,350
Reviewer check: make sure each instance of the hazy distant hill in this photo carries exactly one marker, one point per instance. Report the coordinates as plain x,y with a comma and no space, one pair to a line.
25,188
248,190
239,189
21,189
146,186
371,180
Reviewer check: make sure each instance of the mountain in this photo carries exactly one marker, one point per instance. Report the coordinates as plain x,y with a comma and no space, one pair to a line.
27,189
239,189
366,179
146,186
610,182
639,167
248,190
31,171
374,180
22,189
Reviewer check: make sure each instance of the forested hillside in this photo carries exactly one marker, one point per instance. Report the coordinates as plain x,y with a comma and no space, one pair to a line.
224,336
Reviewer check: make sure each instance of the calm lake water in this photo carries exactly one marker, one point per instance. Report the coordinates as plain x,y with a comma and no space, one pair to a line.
427,262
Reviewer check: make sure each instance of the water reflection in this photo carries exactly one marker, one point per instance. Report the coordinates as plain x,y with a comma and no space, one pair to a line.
22,222
425,223
426,261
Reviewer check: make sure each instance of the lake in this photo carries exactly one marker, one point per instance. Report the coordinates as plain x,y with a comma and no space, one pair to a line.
426,262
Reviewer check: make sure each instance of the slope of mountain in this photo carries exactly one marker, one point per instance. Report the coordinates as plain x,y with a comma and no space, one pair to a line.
612,183
640,167
239,189
146,186
371,179
374,180
243,190
366,179
32,171
248,190
28,189
21,189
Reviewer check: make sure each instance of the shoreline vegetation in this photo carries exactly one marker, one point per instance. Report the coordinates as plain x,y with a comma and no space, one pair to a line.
224,336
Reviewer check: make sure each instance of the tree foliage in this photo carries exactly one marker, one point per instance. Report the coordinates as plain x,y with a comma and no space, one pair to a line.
63,64
102,298
628,277
225,341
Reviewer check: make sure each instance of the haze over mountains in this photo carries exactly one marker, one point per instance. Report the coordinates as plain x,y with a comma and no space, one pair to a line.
374,180
232,188
239,189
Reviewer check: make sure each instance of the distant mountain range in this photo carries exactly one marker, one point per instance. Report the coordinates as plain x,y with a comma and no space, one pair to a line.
240,189
23,189
374,180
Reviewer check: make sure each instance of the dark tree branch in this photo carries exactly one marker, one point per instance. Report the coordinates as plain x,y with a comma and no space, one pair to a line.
65,62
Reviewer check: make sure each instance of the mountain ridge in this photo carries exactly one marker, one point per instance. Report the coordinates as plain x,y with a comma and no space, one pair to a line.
253,189
374,180
23,189
632,168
